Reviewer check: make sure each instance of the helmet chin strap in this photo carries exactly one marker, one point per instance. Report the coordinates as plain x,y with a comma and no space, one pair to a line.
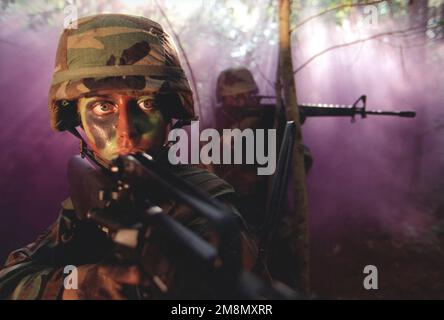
86,152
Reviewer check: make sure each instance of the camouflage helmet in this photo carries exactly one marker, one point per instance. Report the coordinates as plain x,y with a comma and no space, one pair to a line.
234,81
117,53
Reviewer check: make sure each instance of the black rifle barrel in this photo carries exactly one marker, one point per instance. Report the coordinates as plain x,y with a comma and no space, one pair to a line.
334,110
331,110
406,114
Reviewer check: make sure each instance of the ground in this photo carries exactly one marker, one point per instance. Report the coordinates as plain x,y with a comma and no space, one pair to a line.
408,267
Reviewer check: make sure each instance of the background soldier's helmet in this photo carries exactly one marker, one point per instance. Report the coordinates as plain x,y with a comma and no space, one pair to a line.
234,81
117,53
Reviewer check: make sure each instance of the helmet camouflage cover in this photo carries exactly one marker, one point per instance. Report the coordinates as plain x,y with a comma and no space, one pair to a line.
117,53
234,81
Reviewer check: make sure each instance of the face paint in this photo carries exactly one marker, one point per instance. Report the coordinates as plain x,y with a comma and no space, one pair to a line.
118,124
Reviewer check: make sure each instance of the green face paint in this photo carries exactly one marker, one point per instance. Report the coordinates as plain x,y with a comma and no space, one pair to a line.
118,124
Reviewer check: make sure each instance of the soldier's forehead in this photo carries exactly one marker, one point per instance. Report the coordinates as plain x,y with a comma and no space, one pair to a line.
117,95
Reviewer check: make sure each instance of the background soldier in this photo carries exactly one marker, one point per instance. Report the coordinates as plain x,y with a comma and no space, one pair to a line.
240,107
119,78
237,93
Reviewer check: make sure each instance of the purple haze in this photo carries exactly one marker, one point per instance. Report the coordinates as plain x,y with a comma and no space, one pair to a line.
383,172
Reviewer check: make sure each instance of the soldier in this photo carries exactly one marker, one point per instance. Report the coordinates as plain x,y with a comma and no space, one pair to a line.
237,92
119,78
240,107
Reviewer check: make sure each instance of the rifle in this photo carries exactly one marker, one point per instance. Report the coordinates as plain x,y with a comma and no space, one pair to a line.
124,202
335,110
267,110
279,183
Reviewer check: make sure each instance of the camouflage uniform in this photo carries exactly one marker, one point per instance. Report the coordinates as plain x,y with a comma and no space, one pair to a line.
107,53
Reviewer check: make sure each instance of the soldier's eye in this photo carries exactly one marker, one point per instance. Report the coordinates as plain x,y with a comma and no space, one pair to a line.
146,105
103,108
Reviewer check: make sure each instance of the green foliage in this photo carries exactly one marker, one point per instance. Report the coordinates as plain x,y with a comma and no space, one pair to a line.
399,8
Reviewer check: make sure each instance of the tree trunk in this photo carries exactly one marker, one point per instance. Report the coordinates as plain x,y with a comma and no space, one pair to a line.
299,221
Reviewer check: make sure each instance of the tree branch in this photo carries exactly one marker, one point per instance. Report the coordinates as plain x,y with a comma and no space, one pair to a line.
375,36
339,7
187,62
269,82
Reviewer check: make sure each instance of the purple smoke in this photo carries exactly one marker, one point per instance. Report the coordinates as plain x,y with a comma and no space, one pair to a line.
378,172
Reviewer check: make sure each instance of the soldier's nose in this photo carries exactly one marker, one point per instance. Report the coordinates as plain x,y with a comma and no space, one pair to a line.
125,139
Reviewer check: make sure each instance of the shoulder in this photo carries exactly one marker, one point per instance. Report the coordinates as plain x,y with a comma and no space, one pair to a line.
205,180
43,247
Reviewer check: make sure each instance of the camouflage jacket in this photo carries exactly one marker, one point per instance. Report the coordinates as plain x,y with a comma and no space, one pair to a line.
36,271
